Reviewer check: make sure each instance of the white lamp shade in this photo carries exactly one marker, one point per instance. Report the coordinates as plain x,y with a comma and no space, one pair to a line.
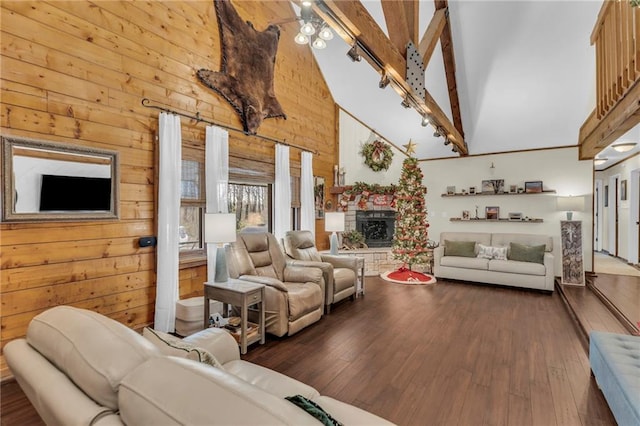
219,227
571,204
334,221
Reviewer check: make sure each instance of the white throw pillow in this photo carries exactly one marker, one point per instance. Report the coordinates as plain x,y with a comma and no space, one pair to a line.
174,346
488,252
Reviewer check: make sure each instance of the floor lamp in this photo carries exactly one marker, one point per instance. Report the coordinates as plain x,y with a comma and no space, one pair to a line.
220,228
334,222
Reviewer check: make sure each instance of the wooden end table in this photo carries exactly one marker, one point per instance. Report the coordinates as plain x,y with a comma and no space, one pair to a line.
241,294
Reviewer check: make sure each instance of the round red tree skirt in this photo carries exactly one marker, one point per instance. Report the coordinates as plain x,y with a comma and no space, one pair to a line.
405,276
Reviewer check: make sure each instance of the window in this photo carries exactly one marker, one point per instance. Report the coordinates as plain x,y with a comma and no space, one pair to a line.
252,205
192,208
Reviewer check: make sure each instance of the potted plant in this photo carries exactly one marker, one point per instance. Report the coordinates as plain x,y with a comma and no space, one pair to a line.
353,239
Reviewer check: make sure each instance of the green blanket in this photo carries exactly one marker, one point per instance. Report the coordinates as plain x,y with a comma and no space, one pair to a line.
314,409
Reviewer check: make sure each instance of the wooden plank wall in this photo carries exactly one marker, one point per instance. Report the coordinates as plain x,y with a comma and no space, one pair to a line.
75,72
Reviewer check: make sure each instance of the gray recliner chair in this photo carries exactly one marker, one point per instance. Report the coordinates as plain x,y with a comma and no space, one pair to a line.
340,273
294,294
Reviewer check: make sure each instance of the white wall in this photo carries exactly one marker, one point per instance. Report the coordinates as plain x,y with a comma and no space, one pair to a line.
352,136
628,170
559,169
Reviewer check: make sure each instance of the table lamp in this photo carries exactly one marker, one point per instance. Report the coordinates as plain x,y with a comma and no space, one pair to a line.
570,204
220,228
334,222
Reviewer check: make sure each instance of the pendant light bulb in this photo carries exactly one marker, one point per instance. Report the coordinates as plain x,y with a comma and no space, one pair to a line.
301,39
307,29
319,43
325,33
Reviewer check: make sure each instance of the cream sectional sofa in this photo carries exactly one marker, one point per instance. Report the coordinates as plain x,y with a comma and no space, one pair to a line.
78,367
514,273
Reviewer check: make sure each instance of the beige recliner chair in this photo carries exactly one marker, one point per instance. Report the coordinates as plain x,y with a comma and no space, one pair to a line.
340,273
294,294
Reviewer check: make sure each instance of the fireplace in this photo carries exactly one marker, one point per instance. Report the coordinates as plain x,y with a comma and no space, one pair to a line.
377,226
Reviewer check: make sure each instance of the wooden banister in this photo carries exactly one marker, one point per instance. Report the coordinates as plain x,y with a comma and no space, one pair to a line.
616,37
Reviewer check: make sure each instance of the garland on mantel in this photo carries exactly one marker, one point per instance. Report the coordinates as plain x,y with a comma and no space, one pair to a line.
374,188
365,189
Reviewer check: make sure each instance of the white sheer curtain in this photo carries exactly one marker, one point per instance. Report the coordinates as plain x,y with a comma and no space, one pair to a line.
282,193
168,222
217,180
307,202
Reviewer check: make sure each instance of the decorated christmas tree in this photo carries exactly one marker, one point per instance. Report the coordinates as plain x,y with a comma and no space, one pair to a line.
410,238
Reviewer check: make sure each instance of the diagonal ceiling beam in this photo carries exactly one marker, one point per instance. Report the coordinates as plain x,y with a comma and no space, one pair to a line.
401,18
351,20
446,43
431,36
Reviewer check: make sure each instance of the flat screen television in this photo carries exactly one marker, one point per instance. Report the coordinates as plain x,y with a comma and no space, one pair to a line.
75,193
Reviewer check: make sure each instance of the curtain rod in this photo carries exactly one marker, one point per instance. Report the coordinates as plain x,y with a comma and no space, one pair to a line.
146,102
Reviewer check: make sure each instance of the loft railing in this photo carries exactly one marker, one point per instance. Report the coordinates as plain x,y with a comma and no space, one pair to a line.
616,37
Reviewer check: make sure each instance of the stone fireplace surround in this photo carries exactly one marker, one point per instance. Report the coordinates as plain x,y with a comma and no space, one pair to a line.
376,259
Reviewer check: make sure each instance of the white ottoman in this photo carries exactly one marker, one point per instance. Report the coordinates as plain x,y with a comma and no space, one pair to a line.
190,314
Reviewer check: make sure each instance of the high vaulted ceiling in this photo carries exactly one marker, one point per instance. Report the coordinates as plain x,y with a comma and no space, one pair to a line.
525,74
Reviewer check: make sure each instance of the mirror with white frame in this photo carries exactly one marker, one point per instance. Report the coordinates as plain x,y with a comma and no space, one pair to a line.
54,181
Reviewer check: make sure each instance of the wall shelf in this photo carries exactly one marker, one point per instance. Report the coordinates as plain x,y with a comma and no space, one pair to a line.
459,219
459,194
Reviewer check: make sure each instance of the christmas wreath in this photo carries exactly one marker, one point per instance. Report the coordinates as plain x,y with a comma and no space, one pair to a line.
377,155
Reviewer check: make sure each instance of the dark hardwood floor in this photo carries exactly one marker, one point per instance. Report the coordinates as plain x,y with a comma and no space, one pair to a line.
446,354
622,292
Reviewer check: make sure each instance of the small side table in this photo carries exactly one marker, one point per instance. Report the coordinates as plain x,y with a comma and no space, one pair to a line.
242,294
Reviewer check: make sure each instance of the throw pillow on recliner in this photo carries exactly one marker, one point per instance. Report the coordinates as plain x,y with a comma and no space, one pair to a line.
174,346
525,253
460,248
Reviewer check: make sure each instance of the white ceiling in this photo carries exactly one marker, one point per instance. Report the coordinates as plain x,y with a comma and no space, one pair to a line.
525,72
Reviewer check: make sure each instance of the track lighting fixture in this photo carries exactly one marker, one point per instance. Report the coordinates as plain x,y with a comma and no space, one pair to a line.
425,121
353,53
454,148
384,81
447,141
405,102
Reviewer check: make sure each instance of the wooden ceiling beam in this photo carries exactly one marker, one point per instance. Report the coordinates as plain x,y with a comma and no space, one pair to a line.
400,26
431,36
446,43
351,20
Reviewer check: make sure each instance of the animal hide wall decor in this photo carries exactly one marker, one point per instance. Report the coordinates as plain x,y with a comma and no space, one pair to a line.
248,61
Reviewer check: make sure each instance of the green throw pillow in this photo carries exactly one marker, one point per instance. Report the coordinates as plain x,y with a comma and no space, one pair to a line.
525,253
460,248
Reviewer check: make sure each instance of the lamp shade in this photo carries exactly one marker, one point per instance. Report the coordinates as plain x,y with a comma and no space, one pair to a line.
219,227
571,204
334,221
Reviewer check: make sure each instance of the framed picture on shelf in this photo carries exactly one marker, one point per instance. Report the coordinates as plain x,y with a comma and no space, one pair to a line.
465,215
533,187
493,186
492,212
513,189
623,190
451,190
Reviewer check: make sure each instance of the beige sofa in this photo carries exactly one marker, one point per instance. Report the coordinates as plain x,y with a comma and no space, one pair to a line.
504,272
78,367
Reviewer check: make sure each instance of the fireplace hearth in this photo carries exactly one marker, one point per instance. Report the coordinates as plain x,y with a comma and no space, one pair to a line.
377,226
